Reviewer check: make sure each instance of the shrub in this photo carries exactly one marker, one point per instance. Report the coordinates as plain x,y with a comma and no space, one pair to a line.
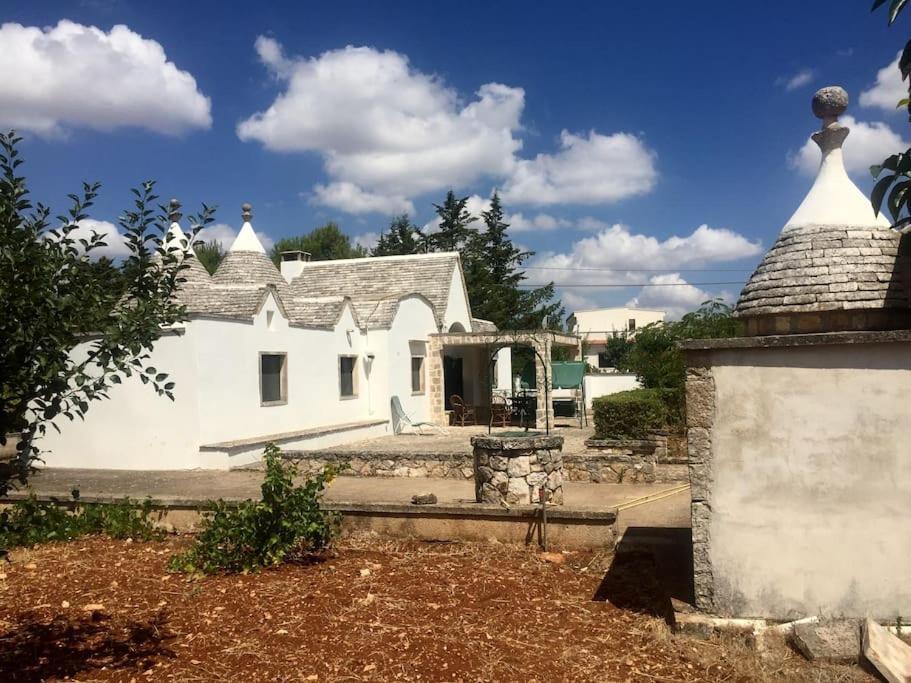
253,534
30,522
630,414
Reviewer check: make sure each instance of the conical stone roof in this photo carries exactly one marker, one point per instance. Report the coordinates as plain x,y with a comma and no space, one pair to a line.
836,266
246,263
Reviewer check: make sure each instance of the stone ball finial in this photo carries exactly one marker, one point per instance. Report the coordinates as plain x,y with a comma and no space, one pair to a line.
174,214
247,210
830,103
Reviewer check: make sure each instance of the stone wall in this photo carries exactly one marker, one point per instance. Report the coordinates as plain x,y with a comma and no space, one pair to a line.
517,470
800,476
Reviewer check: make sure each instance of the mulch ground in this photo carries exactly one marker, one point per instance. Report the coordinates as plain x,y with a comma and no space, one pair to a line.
369,610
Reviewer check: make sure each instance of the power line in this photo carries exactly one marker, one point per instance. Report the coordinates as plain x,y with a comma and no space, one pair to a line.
635,284
642,270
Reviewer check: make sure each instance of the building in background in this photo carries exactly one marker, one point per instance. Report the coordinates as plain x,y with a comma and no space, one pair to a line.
597,325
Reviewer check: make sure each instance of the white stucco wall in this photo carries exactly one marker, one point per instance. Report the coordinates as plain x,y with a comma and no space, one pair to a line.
457,309
598,322
137,428
604,385
811,481
413,322
230,406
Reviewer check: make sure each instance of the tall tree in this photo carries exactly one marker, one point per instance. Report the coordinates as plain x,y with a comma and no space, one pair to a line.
52,300
455,220
325,243
402,237
210,254
494,276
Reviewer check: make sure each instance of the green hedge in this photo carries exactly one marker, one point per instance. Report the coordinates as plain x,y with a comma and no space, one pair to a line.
632,414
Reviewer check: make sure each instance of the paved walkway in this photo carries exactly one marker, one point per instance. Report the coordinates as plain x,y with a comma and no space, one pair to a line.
202,485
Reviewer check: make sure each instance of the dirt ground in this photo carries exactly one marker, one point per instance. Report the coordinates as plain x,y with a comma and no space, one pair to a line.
369,610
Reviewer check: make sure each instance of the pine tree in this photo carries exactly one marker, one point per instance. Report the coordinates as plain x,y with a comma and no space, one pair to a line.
454,225
403,237
325,243
493,274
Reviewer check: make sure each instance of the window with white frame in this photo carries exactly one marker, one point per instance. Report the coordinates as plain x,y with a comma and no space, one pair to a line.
273,378
347,376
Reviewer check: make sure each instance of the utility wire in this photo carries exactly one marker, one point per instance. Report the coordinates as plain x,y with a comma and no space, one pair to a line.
634,284
642,270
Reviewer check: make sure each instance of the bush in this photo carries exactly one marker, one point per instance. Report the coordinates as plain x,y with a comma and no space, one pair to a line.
630,414
30,522
255,534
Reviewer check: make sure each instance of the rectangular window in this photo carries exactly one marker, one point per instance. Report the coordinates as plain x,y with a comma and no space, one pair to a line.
603,361
273,378
347,372
417,374
632,324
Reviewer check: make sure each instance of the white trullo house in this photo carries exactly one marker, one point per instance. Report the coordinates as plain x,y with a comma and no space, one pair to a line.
308,356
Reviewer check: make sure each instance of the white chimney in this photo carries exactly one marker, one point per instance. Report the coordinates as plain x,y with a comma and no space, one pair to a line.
292,263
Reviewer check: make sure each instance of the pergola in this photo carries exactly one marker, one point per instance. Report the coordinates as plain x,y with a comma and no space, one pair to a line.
541,341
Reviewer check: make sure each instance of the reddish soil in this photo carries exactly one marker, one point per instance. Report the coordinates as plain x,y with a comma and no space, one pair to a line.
367,611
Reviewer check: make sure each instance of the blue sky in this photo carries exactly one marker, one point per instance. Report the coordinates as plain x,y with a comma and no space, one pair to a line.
614,130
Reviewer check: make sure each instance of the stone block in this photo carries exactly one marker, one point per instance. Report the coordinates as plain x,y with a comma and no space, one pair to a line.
516,491
519,466
836,641
700,475
499,463
890,655
700,402
699,444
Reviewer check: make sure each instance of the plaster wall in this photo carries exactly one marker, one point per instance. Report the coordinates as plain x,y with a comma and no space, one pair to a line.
807,489
137,428
457,308
230,407
604,385
413,322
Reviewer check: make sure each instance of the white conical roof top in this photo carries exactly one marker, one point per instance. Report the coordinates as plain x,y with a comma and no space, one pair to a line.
834,253
246,239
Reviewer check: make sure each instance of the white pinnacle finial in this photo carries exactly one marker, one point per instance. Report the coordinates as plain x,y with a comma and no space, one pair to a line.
246,239
834,199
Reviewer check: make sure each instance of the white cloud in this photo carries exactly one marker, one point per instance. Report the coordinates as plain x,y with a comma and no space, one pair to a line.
382,125
367,240
797,80
542,222
596,169
673,294
888,89
115,247
350,198
387,133
72,75
867,144
224,234
622,251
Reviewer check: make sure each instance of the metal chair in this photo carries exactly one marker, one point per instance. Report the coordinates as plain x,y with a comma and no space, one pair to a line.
500,411
462,413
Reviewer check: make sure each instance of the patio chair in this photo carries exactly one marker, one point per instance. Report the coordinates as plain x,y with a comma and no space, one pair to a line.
402,424
462,413
500,412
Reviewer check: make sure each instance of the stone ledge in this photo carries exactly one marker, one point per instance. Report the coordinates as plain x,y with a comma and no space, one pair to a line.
312,432
787,340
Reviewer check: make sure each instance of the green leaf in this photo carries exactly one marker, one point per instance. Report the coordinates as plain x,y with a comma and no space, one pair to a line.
879,192
895,9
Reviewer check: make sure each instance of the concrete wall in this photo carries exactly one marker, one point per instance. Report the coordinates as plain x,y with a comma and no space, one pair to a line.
801,479
604,385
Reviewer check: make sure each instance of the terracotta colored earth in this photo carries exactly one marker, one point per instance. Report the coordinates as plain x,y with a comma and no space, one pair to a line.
370,610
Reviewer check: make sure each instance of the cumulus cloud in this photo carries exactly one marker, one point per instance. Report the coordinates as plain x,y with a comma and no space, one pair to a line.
71,75
888,89
541,222
367,240
387,133
797,80
619,249
867,144
382,125
672,293
350,198
115,247
592,169
224,234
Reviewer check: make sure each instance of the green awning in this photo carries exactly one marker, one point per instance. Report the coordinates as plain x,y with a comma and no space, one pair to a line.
567,374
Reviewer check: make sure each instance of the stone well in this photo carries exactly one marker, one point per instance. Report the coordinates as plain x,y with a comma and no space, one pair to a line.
512,469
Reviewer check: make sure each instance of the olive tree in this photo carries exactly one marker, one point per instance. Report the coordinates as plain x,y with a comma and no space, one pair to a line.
66,335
